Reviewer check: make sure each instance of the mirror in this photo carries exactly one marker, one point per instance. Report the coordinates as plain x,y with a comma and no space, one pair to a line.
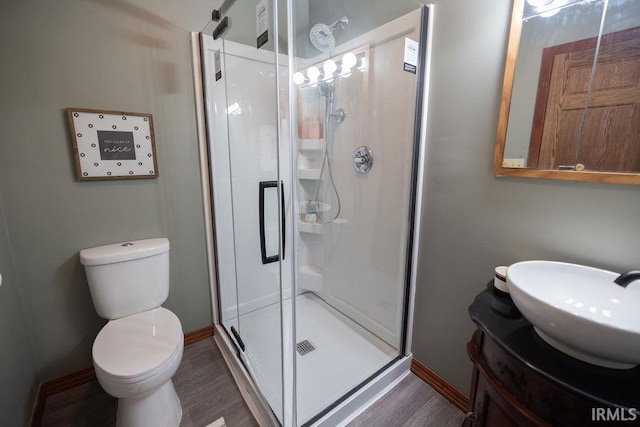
570,105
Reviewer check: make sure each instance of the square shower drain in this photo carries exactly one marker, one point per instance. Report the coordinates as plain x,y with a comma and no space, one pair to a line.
304,347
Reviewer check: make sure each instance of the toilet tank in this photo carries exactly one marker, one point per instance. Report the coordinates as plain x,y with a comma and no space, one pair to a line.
127,278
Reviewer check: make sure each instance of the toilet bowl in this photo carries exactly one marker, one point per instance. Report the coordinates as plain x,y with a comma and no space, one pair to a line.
138,351
135,358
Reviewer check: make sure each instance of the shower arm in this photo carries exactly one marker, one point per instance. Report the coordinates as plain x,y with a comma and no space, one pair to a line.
343,22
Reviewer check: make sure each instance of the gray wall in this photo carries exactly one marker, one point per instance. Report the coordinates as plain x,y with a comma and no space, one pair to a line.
17,367
112,55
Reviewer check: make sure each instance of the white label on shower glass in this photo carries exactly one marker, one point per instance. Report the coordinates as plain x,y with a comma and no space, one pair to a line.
410,55
262,23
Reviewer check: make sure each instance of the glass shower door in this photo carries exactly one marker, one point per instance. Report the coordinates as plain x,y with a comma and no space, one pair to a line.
248,191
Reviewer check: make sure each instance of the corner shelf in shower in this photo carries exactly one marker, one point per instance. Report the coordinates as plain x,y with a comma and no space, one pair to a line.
311,144
312,228
311,279
309,174
310,271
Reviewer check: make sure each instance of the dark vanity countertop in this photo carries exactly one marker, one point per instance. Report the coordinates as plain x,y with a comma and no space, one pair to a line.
496,315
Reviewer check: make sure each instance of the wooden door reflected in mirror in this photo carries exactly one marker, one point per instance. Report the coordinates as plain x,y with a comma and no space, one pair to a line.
571,96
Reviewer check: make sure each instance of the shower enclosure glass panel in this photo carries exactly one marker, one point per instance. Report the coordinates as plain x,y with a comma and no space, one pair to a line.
354,149
248,192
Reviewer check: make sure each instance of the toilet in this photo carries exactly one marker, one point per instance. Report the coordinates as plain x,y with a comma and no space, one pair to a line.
138,351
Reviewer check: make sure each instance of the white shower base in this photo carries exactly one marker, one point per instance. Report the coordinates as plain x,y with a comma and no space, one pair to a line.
345,354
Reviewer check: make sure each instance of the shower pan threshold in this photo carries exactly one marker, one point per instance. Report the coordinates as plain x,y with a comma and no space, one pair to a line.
345,355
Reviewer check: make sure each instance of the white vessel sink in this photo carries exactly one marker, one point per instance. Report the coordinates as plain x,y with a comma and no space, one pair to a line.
579,310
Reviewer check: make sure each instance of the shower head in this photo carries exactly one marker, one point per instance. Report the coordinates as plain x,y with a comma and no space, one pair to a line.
325,89
321,35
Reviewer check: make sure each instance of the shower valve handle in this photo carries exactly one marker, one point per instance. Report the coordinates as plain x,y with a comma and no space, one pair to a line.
363,159
339,116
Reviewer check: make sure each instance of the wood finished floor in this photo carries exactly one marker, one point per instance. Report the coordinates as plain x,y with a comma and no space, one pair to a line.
203,382
207,392
412,403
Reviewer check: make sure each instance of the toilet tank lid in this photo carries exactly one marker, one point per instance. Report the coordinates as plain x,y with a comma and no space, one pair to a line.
124,251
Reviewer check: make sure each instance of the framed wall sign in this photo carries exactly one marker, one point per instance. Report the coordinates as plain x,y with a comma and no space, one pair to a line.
112,144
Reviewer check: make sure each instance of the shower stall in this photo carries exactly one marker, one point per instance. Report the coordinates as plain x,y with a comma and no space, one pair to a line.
315,136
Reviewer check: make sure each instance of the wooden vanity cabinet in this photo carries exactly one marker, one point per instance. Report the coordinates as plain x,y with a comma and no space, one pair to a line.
520,380
506,392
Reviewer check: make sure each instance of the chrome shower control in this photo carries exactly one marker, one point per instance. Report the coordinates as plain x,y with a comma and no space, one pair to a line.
339,116
363,159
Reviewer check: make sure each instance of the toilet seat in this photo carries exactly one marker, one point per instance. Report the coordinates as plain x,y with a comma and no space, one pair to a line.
134,348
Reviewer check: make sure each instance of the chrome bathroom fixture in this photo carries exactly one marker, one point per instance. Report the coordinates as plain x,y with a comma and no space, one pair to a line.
327,90
321,35
363,159
339,116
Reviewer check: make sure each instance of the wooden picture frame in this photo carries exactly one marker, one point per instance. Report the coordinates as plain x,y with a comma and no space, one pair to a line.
112,144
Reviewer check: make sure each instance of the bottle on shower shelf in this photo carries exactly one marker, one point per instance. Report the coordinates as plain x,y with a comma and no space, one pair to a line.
310,127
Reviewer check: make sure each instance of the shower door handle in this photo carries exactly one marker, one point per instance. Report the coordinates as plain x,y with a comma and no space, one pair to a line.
266,259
